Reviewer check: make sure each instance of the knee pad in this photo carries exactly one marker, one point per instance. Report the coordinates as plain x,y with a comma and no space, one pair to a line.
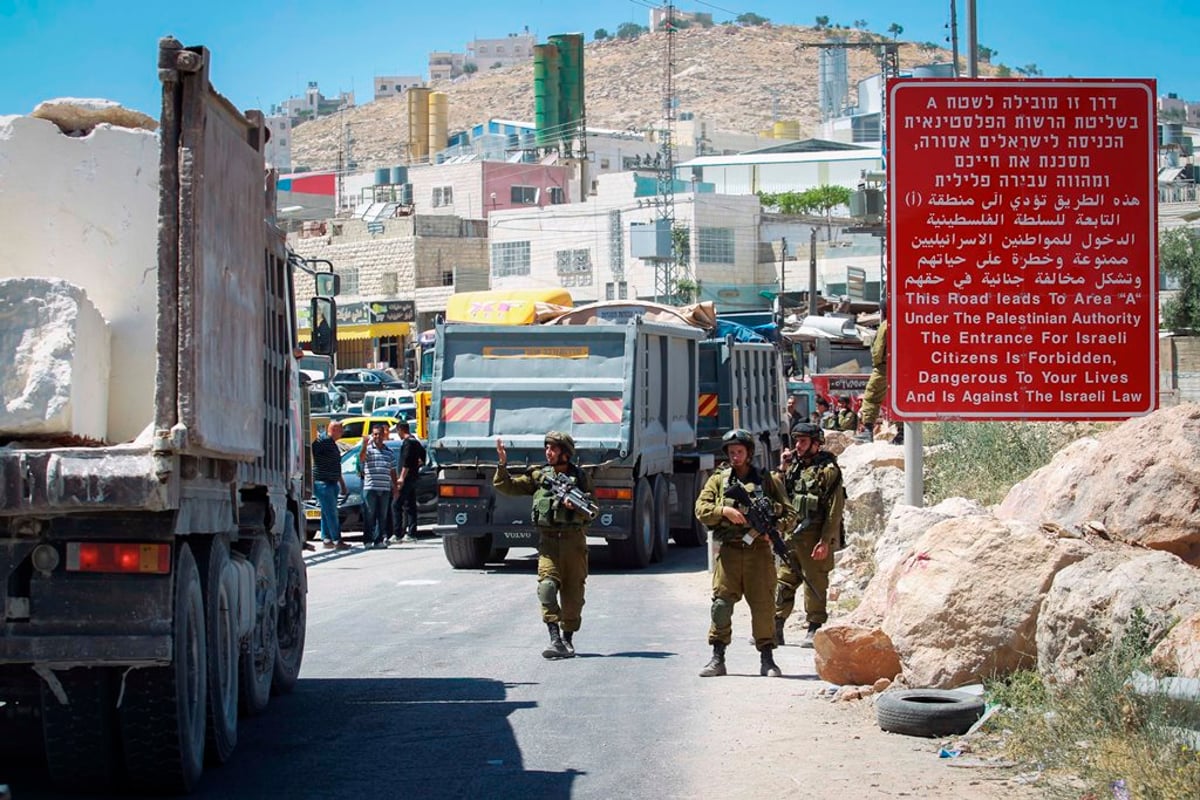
722,612
547,592
782,593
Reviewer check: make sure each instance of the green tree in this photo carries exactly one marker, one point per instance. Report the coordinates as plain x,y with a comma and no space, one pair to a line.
895,29
1029,70
470,68
1003,71
600,35
750,19
1179,258
630,30
986,54
860,24
928,47
819,200
822,23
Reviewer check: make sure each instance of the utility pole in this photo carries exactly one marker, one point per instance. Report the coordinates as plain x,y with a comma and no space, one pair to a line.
954,36
812,273
668,270
782,270
972,42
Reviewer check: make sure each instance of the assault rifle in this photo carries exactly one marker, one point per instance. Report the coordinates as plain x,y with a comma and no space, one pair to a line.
563,488
760,513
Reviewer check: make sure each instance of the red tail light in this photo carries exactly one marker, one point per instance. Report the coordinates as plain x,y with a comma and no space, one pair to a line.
457,490
613,493
125,557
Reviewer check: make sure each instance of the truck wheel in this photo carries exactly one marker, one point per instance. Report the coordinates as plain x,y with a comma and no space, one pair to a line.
927,712
80,737
293,611
258,659
220,594
693,535
163,708
497,555
467,552
662,518
634,552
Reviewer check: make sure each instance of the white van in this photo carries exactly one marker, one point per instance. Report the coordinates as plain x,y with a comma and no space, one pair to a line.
387,397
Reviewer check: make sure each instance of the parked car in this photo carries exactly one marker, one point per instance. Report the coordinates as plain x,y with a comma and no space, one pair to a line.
372,401
357,382
324,398
355,428
350,504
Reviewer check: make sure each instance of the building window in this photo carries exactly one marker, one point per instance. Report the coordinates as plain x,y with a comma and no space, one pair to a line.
283,142
616,291
604,163
716,245
510,258
557,195
524,195
574,267
447,277
483,49
383,87
443,196
349,280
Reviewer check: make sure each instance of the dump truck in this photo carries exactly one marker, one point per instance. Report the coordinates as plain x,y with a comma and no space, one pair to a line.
152,436
628,388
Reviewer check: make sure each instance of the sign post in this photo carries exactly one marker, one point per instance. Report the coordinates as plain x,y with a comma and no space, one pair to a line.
1022,241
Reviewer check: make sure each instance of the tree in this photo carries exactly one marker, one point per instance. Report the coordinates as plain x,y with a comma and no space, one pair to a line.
1003,71
928,47
860,24
820,200
895,29
470,68
1179,258
822,23
600,35
986,54
630,30
750,19
1029,70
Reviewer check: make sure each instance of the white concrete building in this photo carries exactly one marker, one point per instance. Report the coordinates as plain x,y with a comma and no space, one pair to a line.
516,48
783,172
278,152
395,85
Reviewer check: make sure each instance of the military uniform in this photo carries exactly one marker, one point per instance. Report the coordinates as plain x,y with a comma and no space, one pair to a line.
740,568
847,420
877,383
562,545
815,487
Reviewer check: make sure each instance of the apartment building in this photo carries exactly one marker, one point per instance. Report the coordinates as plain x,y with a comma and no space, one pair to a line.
482,54
395,85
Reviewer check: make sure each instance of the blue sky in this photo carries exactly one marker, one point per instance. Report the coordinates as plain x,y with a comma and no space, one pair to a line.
264,52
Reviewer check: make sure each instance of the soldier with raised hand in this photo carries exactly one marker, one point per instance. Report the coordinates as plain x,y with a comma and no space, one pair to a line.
562,545
745,564
813,481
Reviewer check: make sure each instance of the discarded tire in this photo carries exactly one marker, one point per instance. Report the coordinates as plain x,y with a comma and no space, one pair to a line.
927,712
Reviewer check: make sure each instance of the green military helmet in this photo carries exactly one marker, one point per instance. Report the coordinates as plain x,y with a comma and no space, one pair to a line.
810,430
738,436
564,442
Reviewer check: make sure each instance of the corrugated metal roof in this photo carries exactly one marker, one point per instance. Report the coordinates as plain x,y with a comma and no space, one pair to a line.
747,159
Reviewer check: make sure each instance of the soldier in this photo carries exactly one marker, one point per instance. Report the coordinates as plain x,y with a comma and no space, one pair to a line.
562,549
847,417
813,480
825,418
877,383
745,564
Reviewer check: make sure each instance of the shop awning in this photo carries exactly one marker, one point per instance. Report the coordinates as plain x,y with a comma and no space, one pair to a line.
376,330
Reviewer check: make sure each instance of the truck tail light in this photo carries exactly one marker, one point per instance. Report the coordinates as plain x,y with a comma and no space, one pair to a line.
125,557
614,493
457,490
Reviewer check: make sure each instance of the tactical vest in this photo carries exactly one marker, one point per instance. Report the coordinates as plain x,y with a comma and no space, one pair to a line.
725,531
803,486
547,511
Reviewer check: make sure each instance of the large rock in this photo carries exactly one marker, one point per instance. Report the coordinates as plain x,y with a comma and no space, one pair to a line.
79,116
1140,479
1179,653
874,479
855,655
1091,604
55,349
964,603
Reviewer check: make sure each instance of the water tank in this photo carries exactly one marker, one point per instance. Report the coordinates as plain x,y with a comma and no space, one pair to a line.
867,205
786,129
1171,133
399,175
570,54
406,194
383,176
934,71
439,120
418,124
546,93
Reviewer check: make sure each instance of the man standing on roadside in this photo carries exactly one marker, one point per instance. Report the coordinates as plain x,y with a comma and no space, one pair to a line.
327,481
379,485
404,509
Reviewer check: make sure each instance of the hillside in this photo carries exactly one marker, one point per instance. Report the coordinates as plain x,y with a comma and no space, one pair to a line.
729,76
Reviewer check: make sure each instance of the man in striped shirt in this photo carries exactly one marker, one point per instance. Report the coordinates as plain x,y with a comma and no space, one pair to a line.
327,480
380,485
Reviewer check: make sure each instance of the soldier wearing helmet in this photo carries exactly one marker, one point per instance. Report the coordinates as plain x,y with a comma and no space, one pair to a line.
562,545
813,481
745,564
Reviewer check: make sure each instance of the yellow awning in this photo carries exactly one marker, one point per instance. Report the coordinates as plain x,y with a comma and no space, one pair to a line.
376,330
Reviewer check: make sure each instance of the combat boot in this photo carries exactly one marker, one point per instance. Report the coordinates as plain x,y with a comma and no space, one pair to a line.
716,665
779,631
567,643
813,627
767,666
556,649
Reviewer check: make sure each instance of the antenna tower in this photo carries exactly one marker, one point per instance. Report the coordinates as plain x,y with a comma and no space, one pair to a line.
668,270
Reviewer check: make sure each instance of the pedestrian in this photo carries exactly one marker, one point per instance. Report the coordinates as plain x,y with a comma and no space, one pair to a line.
404,509
562,542
825,417
377,464
813,481
793,416
847,417
327,481
745,564
877,384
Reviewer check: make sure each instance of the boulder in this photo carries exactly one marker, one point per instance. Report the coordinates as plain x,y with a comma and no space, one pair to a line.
964,604
874,478
1141,480
1179,653
1090,605
847,654
79,116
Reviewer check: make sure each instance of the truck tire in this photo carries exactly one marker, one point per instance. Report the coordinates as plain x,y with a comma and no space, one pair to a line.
467,552
293,611
162,714
223,648
497,555
258,659
634,552
662,518
927,712
695,534
80,737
